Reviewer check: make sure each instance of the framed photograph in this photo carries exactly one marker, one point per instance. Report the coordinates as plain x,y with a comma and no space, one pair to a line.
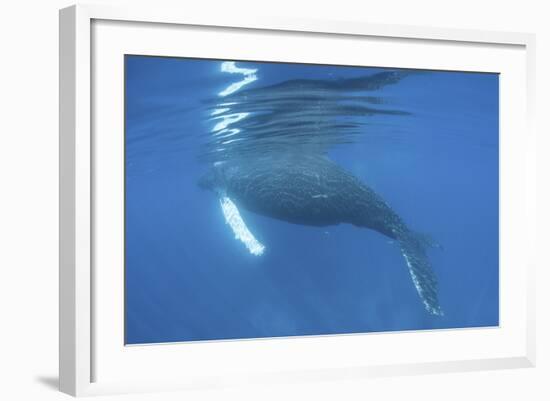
256,200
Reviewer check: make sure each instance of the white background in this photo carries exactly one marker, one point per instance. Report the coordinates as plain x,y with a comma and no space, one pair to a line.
29,185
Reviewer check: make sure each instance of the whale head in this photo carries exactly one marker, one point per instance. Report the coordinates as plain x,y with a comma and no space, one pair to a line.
212,179
207,181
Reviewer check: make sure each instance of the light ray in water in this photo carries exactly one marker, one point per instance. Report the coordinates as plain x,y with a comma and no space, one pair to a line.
237,224
219,111
249,76
228,119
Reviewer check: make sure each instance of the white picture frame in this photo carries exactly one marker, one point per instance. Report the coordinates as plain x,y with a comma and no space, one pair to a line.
78,157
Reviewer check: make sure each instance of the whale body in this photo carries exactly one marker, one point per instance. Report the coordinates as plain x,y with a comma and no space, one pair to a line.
311,189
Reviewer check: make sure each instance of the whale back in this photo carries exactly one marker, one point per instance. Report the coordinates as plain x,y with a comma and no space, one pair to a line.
302,189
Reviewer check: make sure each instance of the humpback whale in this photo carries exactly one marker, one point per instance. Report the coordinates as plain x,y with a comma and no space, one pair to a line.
311,189
268,153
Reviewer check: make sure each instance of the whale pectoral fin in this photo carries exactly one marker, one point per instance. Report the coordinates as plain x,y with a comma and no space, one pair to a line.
237,224
422,274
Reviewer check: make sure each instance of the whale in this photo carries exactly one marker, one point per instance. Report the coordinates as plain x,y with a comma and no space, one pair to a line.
311,189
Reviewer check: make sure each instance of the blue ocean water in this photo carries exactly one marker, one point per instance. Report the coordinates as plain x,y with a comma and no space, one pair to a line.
426,141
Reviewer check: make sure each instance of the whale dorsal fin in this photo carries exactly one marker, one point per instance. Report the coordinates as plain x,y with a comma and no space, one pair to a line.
237,224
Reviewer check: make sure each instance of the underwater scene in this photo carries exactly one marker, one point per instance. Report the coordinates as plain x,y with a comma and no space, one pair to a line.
267,199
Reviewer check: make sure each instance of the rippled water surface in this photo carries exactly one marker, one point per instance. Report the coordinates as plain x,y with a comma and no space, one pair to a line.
425,141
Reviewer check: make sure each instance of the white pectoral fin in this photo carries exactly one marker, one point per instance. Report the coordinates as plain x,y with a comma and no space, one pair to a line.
237,224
